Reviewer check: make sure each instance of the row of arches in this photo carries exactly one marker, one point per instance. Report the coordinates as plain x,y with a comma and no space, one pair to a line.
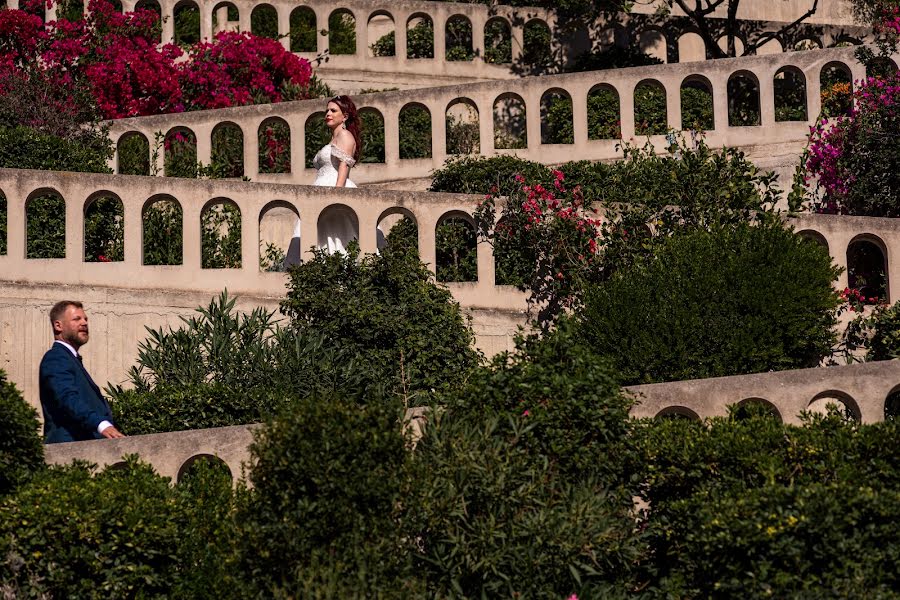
163,231
220,227
818,404
509,120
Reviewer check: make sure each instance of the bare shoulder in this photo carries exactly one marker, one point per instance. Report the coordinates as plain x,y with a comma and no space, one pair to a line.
344,140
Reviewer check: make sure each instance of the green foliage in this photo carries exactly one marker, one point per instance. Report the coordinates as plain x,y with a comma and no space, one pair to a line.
26,148
317,135
187,25
511,499
478,174
390,313
220,236
372,134
163,233
341,33
615,57
303,30
557,125
134,155
457,256
264,21
385,45
180,152
766,305
45,227
415,132
463,133
420,40
743,102
328,488
878,332
650,117
104,230
790,96
274,147
536,52
697,109
227,156
604,115
21,446
497,43
459,39
70,10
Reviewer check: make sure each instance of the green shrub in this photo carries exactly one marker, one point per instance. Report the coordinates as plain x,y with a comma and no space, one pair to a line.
456,252
697,109
328,488
385,45
557,123
341,33
497,43
878,333
372,133
415,132
104,230
604,120
734,300
134,155
26,148
45,227
477,174
21,446
303,30
420,40
220,236
650,116
162,225
615,57
390,313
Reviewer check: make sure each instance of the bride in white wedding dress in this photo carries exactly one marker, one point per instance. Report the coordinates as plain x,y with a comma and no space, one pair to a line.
338,226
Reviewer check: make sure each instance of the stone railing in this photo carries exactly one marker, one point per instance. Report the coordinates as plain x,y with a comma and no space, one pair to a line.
368,208
861,389
486,104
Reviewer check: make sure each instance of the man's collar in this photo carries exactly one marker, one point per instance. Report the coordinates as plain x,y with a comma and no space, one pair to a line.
67,345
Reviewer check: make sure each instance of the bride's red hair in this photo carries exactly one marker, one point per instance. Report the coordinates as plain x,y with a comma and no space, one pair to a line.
352,122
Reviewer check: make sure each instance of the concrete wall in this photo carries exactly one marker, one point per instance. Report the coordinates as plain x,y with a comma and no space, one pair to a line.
862,388
530,92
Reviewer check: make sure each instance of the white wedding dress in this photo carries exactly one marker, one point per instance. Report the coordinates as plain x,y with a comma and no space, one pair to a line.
338,226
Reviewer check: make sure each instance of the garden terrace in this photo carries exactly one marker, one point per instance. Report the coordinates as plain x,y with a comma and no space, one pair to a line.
868,392
751,102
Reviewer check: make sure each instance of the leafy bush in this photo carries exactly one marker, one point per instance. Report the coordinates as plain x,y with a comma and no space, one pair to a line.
386,309
27,148
415,132
328,488
615,57
878,333
742,299
21,446
45,227
162,223
478,174
104,230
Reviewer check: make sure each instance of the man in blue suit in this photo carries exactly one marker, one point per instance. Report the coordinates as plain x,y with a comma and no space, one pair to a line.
74,409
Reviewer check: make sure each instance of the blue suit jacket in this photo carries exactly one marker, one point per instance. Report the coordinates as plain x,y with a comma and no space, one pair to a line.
72,403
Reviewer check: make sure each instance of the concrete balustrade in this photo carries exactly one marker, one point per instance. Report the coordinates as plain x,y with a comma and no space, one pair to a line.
530,92
863,389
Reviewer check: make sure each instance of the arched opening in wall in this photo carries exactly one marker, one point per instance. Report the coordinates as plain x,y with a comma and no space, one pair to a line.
419,36
3,224
117,6
845,41
697,104
162,227
70,10
381,29
316,136
458,33
650,111
303,30
743,100
104,228
653,43
832,399
180,153
557,125
867,269
279,236
342,32
187,23
264,21
220,235
372,136
514,258
722,42
338,226
35,9
892,404
815,237
456,248
536,51
790,95
463,130
691,48
604,113
772,46
836,89
808,43
154,7
226,17
227,158
510,122
754,408
274,137
881,67
497,41
397,228
201,465
45,225
678,412
415,131
133,154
